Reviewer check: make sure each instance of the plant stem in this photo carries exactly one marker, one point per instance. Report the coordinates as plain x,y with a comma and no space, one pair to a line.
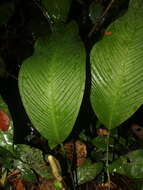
45,13
101,20
107,161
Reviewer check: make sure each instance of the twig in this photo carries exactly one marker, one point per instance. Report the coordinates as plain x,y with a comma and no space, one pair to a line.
12,76
45,13
101,19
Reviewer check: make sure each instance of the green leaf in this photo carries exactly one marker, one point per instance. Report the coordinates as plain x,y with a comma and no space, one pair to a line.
88,171
100,142
141,187
130,164
51,84
6,10
28,175
117,68
26,172
58,184
57,10
6,158
33,158
95,11
136,4
6,127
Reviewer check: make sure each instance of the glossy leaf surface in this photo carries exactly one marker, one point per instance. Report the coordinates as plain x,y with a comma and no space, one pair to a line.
57,10
32,158
6,127
52,82
130,164
117,68
26,172
88,171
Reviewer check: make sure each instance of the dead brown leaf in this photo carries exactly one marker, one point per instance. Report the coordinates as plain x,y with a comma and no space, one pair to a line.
76,150
18,184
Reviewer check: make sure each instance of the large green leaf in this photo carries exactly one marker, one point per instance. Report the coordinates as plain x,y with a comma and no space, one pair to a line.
6,127
57,10
130,164
88,171
117,68
52,82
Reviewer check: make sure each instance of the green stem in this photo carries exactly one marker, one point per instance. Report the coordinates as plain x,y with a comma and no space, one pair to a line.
101,19
107,161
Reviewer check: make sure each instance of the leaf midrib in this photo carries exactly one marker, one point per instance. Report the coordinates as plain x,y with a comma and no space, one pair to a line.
53,107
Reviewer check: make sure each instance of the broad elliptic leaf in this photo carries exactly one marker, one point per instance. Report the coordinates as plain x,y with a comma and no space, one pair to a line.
6,127
117,68
57,10
51,84
130,164
88,171
33,159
